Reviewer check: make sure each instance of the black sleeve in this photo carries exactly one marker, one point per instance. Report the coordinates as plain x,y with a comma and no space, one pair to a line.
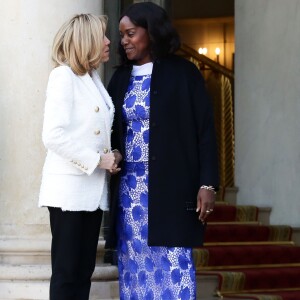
204,119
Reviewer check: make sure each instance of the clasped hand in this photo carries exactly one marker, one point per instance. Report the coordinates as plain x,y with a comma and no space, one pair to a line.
110,162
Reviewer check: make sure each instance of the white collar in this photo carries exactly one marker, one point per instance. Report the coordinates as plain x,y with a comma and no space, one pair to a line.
145,69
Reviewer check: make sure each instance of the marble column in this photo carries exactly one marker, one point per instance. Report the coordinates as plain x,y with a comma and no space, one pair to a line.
27,30
267,106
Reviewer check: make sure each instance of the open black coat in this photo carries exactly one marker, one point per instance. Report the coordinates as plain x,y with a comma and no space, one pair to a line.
182,151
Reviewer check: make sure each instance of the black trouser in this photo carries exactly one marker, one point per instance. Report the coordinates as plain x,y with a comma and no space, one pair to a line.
73,252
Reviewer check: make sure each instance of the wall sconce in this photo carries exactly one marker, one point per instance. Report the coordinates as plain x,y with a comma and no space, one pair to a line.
218,51
202,51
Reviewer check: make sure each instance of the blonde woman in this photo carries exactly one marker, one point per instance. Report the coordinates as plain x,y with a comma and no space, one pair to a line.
76,132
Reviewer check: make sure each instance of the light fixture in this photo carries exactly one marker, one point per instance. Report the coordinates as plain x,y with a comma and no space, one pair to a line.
202,51
218,51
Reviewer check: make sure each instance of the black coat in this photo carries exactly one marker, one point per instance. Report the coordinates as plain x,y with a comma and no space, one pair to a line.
182,151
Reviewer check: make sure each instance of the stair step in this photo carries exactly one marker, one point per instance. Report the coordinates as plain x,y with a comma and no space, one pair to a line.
31,251
268,278
264,243
264,279
266,295
233,213
33,281
227,212
250,281
214,256
247,233
233,223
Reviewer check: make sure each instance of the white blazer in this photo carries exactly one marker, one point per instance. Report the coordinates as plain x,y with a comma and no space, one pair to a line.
77,127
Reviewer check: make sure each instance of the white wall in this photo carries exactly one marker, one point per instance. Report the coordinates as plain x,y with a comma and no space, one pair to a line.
27,28
267,106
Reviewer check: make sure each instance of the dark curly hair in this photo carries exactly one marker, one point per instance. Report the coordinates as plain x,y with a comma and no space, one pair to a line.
164,38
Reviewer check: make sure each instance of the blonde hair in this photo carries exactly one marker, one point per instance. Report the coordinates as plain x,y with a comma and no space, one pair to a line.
79,43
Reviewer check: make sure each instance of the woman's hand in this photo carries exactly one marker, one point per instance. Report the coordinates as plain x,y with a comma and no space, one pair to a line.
110,161
118,158
205,203
107,161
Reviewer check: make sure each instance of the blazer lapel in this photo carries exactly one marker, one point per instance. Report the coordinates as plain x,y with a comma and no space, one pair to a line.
101,98
87,80
104,95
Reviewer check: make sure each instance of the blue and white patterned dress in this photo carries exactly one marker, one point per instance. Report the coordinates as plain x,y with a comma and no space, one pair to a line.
145,273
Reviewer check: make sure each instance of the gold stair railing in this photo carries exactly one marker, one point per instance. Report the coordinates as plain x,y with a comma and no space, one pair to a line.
219,82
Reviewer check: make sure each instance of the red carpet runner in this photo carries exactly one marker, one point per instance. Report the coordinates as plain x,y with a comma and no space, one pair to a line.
252,261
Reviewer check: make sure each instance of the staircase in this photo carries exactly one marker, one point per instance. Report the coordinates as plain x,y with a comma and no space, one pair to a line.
246,258
25,271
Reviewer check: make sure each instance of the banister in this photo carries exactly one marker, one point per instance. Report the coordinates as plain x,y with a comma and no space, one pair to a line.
207,61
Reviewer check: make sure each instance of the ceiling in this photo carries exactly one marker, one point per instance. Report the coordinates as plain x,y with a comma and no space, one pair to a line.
194,9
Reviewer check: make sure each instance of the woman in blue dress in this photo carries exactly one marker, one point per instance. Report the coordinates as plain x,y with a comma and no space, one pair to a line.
163,194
